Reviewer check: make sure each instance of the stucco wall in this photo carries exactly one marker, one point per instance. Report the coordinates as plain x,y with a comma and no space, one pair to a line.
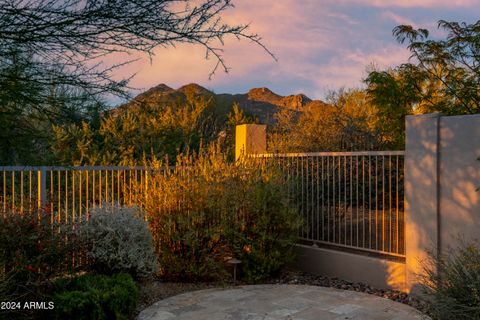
421,193
459,178
250,139
441,177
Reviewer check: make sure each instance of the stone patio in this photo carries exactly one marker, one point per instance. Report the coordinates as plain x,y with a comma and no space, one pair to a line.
269,302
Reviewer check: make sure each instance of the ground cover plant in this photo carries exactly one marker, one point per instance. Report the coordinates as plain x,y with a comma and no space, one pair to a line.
93,296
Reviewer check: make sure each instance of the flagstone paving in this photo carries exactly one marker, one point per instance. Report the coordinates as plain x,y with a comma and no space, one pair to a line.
269,302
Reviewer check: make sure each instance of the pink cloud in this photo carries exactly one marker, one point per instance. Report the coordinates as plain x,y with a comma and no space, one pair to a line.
398,19
290,41
348,69
319,47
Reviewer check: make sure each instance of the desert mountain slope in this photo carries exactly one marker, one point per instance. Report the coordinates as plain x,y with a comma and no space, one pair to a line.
258,102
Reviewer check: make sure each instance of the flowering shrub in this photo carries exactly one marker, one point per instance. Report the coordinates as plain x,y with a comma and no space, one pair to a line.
117,239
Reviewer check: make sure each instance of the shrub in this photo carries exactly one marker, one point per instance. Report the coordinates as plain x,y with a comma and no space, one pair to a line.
117,239
453,283
208,209
33,249
191,247
265,225
95,297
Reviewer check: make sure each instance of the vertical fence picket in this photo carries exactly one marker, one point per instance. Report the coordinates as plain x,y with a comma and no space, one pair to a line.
42,187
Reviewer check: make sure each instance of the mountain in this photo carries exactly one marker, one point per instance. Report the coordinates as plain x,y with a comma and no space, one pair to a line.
294,102
258,102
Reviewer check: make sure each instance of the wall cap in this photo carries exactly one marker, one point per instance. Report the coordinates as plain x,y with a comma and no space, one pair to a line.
426,115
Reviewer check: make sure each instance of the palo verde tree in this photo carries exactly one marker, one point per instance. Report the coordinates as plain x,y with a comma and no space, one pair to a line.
442,75
52,53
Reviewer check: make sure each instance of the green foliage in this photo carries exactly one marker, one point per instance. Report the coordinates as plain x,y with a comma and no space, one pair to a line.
32,251
227,137
264,232
95,297
52,71
75,144
395,95
17,132
453,282
208,209
451,63
346,123
442,75
117,239
190,246
126,136
29,108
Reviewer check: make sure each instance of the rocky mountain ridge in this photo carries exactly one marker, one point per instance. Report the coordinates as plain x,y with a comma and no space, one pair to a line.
258,102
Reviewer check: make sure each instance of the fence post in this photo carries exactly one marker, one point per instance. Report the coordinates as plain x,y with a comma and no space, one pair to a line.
250,139
42,187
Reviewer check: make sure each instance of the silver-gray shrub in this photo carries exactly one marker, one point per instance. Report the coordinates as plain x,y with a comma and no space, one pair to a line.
117,239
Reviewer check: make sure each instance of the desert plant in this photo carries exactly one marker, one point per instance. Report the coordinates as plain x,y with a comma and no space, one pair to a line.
209,209
194,249
95,297
33,250
265,225
452,282
117,239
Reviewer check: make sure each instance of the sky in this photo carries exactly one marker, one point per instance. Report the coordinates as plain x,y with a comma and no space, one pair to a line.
321,45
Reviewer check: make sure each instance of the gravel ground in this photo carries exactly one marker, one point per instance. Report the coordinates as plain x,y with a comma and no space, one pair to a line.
155,290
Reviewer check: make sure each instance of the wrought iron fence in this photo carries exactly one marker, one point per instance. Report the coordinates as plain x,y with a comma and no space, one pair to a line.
348,199
68,192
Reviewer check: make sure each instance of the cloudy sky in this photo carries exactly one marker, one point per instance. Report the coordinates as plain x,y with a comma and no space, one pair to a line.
321,45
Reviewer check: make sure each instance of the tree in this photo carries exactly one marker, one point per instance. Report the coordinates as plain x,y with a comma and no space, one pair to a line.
226,137
396,94
442,75
28,108
67,36
346,123
140,131
51,53
453,65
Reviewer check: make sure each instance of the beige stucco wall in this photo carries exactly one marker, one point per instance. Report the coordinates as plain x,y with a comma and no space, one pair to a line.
459,179
421,188
442,205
